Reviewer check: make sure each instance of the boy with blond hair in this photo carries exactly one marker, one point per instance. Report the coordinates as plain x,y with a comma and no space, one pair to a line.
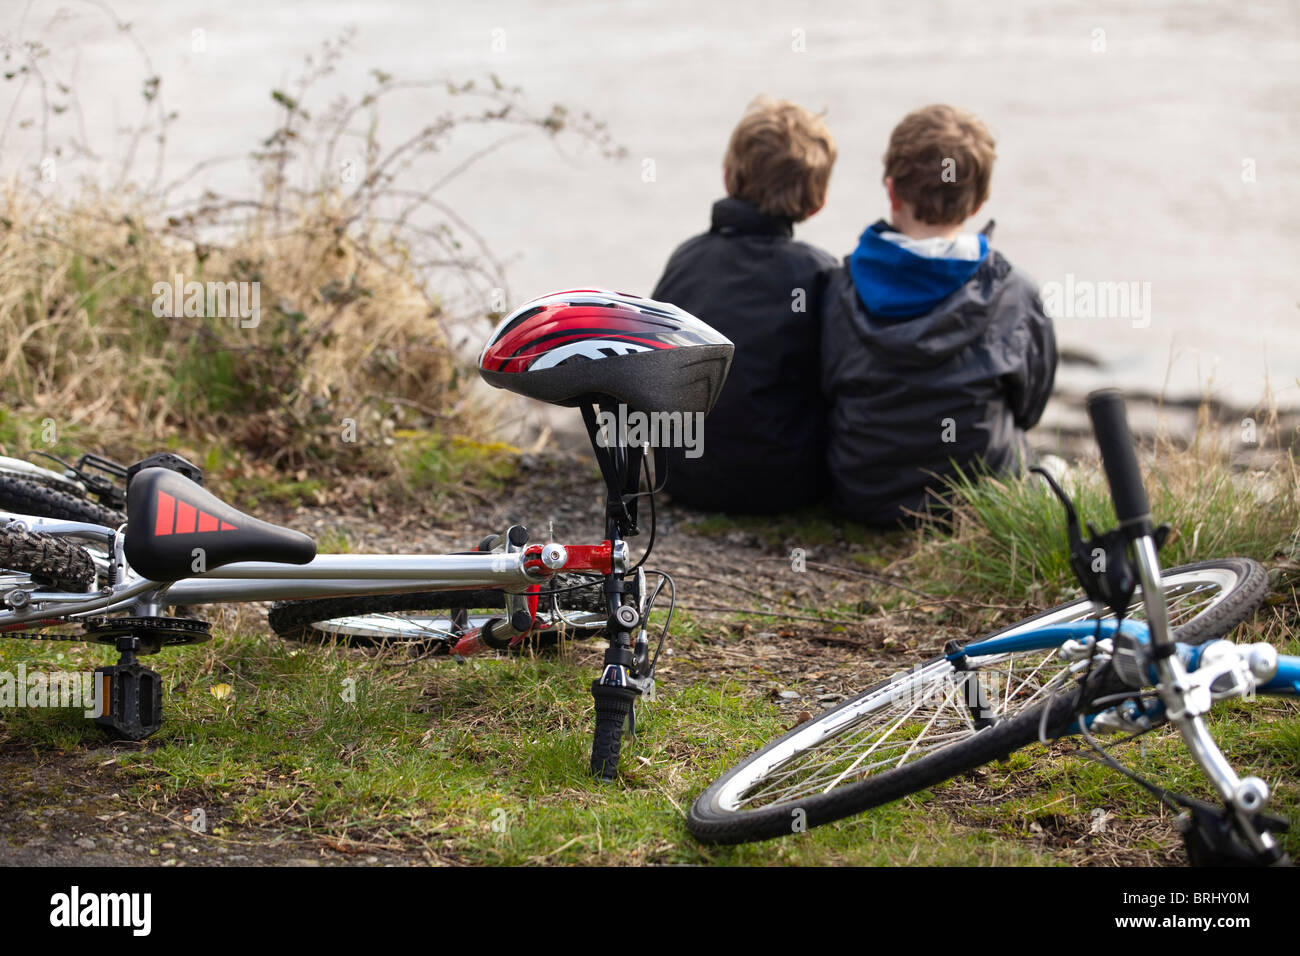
937,354
749,278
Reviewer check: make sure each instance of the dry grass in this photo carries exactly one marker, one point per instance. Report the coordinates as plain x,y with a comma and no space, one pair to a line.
360,267
1005,539
341,335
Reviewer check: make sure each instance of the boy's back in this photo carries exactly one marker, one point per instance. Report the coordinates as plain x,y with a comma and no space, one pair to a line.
959,383
936,352
764,441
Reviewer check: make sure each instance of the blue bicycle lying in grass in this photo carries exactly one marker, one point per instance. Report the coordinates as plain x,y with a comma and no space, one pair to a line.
1090,668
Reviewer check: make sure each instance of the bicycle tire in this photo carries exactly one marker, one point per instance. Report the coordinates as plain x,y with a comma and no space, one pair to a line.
24,496
46,558
302,620
715,816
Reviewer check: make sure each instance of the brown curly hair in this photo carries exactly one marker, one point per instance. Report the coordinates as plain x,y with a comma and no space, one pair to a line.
941,161
780,158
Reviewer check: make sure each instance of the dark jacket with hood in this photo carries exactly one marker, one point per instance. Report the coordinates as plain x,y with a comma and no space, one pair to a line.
764,442
927,361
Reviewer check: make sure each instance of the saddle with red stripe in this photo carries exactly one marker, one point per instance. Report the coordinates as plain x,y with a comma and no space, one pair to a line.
175,529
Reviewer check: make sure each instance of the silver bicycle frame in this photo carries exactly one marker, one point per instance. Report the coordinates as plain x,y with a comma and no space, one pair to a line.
328,575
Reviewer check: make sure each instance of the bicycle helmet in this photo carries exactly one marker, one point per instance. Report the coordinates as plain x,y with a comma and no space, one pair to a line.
580,345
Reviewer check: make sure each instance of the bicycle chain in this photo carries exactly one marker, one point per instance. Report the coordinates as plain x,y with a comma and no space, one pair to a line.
42,635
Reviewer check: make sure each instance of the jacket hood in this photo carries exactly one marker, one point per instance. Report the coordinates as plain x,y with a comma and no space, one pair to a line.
899,278
953,321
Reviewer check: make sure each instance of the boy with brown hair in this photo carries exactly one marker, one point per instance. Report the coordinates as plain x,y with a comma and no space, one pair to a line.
936,352
764,441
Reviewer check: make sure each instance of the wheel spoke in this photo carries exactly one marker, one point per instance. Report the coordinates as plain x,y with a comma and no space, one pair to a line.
929,711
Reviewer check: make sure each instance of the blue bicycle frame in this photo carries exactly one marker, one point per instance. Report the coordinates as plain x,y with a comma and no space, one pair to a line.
1285,683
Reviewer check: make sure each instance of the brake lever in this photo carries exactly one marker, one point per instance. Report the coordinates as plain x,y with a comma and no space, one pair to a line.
1100,563
1081,556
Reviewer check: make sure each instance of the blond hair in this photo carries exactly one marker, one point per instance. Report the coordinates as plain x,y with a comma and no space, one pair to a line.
780,158
941,161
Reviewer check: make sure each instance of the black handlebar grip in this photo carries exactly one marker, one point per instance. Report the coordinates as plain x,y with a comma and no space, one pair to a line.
613,705
1119,459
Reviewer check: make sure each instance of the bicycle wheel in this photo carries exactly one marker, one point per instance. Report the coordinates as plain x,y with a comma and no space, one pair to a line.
431,617
45,559
917,729
25,496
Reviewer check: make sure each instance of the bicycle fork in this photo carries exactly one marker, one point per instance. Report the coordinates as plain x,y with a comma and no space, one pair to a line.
1185,701
1185,704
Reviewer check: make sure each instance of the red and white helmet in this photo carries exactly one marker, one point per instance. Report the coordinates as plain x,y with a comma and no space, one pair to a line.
571,347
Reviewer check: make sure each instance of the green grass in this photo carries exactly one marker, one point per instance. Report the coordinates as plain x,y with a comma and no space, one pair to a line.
24,433
1008,540
251,492
432,463
483,762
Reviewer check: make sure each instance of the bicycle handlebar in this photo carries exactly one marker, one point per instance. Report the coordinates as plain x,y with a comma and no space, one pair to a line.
1119,459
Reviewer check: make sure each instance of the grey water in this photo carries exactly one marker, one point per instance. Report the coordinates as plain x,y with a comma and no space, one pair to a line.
1152,145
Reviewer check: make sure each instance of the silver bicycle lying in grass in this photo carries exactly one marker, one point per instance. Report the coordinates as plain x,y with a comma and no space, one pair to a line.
182,546
1087,668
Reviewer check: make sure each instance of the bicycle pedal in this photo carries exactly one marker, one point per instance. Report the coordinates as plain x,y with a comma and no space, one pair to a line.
130,701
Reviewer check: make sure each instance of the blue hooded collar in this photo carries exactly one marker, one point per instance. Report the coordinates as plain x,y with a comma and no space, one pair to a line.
895,283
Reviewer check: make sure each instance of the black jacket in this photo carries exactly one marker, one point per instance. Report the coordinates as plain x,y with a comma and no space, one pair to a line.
764,441
961,382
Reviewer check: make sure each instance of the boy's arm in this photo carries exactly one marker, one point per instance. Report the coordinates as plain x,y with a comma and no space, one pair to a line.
1034,344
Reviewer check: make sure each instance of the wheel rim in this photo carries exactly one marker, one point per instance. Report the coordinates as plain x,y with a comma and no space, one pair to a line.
934,706
424,627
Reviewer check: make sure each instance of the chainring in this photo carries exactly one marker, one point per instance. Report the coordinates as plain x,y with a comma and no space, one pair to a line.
153,633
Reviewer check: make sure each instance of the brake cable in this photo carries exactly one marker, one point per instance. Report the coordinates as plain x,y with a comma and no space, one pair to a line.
664,578
1082,681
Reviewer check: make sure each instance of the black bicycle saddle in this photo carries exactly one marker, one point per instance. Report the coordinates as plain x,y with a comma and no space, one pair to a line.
175,529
